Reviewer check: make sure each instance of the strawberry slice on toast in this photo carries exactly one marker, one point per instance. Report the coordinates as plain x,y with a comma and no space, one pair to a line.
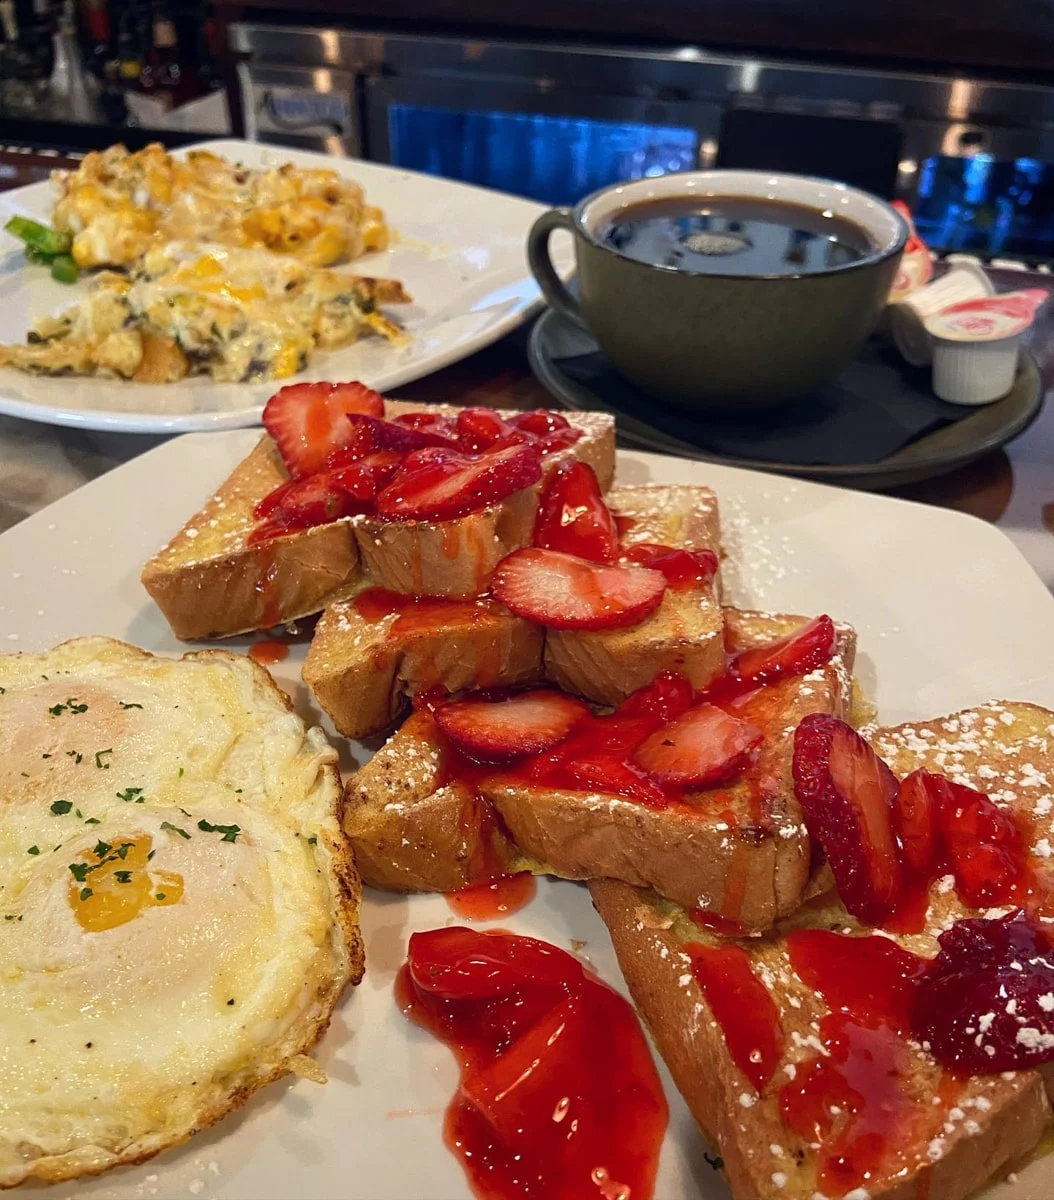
562,591
308,421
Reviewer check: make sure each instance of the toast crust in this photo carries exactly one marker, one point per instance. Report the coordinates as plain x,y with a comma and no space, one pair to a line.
410,832
746,1130
684,635
994,1122
210,582
740,852
361,671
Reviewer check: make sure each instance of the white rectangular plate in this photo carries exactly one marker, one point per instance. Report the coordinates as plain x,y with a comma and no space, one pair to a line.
460,251
948,613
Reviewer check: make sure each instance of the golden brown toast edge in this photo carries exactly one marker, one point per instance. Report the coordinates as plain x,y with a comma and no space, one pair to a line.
411,833
209,582
994,1124
361,671
685,634
730,853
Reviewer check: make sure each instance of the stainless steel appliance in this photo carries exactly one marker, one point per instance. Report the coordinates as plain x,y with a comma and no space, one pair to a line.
974,157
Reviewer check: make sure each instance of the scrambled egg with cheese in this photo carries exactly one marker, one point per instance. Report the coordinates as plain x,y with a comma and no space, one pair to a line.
178,908
192,308
117,205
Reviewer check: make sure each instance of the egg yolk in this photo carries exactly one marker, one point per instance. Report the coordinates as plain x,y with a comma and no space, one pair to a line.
113,884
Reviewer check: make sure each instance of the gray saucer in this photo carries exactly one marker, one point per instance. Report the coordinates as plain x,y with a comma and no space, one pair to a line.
984,430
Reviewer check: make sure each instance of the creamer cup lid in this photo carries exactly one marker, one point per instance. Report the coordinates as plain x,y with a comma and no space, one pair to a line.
988,319
916,264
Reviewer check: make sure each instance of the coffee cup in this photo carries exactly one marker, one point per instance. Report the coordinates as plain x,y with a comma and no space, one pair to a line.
725,290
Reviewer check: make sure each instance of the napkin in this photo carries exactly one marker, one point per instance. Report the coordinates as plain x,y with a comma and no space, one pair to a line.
877,406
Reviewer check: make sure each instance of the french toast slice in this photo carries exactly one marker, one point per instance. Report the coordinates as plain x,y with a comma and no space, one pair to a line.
417,825
211,580
958,1133
683,635
414,830
362,665
740,852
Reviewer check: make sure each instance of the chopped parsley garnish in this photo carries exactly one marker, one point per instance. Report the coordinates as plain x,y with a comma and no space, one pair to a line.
175,829
79,871
77,813
123,876
2,690
159,896
61,807
122,850
180,775
130,794
99,757
86,893
74,754
230,832
9,916
237,791
72,705
92,821
45,756
102,849
312,841
126,706
150,855
33,850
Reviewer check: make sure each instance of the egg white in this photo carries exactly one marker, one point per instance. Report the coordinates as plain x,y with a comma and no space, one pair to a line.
119,1042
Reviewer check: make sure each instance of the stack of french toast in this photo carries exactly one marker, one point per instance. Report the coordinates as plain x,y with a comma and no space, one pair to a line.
837,933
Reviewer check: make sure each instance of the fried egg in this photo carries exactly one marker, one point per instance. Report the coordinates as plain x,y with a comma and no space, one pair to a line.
178,908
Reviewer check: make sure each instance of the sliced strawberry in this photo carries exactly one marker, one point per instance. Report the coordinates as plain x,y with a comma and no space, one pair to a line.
313,500
683,569
665,698
388,435
810,647
425,419
704,746
362,443
437,484
478,429
846,792
572,516
915,819
611,774
984,843
496,731
307,420
327,495
565,592
540,422
551,431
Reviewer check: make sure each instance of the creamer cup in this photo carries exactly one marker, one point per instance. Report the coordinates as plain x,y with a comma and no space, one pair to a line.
989,318
976,345
965,281
916,265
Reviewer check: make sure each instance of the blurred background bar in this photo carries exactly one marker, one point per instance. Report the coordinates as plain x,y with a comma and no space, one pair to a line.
949,107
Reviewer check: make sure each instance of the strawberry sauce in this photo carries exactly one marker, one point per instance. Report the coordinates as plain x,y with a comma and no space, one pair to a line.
743,1008
494,898
558,1097
416,614
268,652
865,1096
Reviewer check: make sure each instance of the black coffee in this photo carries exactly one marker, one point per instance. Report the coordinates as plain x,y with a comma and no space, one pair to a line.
735,235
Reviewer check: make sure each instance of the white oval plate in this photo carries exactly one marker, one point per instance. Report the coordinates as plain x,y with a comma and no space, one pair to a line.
458,249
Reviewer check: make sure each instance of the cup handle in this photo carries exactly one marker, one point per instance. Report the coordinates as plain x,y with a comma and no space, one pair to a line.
553,287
